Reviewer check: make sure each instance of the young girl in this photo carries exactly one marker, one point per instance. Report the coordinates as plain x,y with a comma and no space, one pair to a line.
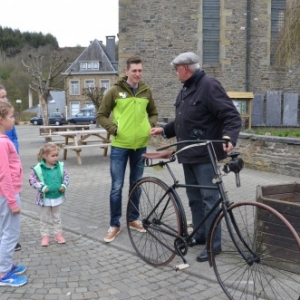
12,134
10,187
50,179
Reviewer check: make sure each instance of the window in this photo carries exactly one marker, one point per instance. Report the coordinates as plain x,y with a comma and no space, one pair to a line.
89,83
211,32
105,83
278,8
74,107
89,65
83,66
95,65
74,87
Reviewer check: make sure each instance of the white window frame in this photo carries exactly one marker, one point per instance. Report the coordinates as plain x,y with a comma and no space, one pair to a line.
89,83
105,83
83,66
88,103
89,65
74,107
95,65
74,86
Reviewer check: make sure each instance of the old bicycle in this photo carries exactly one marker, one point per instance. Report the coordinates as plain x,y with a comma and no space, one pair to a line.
251,265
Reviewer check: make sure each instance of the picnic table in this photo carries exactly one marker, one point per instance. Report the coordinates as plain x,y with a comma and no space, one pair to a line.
47,131
77,140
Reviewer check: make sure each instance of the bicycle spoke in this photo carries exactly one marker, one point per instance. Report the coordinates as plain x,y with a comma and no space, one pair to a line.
157,209
266,273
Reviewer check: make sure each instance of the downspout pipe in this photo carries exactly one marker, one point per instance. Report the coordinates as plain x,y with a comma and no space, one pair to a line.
248,33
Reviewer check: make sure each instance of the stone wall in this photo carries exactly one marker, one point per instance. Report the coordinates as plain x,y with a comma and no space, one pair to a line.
265,153
158,30
270,154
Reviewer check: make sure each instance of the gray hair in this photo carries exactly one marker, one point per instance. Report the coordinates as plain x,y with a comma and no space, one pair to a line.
194,67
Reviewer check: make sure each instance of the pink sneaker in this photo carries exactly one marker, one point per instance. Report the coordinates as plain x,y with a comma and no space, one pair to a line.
45,241
60,239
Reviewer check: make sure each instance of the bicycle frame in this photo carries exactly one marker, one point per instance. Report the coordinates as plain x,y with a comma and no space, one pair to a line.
252,261
223,200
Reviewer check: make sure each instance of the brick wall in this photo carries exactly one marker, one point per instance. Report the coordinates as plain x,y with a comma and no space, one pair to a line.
270,154
158,30
263,153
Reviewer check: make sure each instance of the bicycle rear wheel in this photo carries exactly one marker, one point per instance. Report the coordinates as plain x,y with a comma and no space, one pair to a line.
156,207
272,250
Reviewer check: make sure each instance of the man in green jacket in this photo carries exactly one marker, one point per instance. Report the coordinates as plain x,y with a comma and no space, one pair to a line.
134,113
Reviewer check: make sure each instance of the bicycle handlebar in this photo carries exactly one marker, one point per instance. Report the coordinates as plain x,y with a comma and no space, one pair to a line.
223,141
234,165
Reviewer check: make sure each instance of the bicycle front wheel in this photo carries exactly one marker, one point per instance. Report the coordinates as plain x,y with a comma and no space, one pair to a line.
155,206
270,268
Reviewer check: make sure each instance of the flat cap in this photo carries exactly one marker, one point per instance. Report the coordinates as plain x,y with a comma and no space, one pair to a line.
186,58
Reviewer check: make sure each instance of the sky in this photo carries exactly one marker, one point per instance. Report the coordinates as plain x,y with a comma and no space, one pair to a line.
72,22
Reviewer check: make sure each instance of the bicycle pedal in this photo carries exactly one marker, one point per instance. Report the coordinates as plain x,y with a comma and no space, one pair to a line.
181,267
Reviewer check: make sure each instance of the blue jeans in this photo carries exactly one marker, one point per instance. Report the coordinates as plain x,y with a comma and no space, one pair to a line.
118,162
202,200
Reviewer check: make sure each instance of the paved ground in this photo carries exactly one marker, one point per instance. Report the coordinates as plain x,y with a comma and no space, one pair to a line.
88,268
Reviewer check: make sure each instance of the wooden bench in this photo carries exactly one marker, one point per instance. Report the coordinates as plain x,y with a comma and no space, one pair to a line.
78,148
77,140
100,145
48,132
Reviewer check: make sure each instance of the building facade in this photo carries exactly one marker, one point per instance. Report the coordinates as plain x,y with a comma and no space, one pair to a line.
235,40
95,67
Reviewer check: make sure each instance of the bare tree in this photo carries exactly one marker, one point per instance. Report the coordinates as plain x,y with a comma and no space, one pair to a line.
96,95
45,78
288,50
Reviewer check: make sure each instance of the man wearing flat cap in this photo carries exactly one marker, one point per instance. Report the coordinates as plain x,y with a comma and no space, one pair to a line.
205,112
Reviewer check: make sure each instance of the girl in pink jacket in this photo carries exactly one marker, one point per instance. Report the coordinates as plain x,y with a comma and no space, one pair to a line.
10,188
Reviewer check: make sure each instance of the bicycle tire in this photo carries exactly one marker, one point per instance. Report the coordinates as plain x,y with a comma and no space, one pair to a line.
161,220
274,273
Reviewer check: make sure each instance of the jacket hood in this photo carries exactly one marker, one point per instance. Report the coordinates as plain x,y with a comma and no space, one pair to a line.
123,83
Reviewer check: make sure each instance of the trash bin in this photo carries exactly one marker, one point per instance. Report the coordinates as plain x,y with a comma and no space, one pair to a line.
285,198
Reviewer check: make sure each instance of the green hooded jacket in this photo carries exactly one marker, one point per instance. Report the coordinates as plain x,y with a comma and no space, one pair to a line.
133,115
51,177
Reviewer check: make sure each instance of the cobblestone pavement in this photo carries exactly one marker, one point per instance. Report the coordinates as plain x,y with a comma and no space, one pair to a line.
88,268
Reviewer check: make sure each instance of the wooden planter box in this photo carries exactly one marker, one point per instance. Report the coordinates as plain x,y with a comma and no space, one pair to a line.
285,199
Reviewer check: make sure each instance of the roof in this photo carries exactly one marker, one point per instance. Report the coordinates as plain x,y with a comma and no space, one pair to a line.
96,51
60,96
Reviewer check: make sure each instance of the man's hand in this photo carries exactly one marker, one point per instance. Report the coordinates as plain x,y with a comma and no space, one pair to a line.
228,147
46,190
156,131
16,210
62,189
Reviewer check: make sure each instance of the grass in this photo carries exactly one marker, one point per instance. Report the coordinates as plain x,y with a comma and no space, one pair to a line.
284,132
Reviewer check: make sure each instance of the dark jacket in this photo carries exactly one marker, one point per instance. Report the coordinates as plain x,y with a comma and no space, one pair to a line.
203,111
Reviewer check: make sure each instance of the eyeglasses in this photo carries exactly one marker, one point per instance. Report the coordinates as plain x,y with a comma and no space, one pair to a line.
176,67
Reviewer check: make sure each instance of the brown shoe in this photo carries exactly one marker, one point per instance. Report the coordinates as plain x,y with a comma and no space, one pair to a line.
111,234
137,225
